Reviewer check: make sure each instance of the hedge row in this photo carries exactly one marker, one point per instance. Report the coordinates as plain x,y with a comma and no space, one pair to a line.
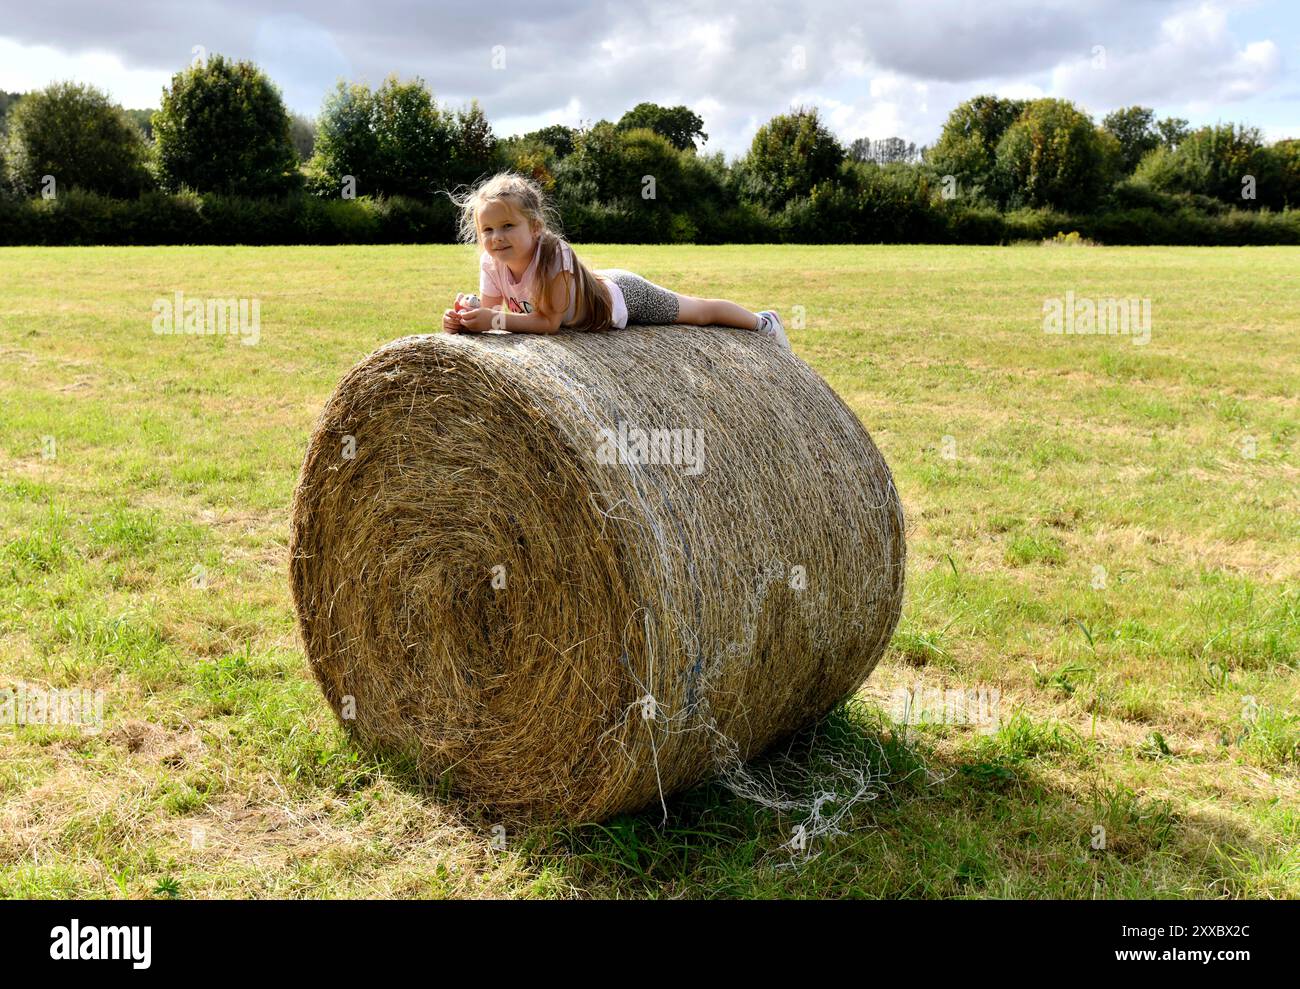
78,218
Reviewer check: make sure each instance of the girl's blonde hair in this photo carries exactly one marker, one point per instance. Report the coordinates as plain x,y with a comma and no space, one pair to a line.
526,197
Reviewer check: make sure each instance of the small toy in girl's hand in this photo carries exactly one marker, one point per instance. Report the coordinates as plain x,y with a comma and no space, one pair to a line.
467,302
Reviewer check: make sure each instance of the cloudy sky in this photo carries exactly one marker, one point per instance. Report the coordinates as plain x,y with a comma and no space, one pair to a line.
876,68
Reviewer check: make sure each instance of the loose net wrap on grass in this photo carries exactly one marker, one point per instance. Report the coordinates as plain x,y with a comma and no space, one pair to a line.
568,575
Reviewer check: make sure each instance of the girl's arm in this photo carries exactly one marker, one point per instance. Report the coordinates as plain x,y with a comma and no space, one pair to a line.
555,303
519,322
484,318
491,318
531,322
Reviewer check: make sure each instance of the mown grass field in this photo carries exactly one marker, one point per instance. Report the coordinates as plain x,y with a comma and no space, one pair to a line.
1156,699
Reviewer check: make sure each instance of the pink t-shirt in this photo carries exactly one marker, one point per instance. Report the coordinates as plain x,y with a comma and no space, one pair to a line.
520,295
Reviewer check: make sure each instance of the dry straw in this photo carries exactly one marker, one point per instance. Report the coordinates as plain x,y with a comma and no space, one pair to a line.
553,631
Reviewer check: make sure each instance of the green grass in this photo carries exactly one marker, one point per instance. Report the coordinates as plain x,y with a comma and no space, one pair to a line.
1105,533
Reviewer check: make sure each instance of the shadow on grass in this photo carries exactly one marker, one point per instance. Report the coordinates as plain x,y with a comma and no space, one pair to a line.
989,820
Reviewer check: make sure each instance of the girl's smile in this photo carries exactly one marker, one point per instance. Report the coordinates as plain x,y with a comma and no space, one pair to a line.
504,235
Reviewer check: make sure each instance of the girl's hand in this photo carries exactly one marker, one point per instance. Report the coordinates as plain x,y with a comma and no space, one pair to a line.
477,320
450,321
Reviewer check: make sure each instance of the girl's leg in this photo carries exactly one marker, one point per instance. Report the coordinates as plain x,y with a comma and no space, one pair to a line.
715,312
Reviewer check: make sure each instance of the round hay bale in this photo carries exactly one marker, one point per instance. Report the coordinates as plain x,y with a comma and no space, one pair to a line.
505,575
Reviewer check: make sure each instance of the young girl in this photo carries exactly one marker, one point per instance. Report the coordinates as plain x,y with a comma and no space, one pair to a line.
508,217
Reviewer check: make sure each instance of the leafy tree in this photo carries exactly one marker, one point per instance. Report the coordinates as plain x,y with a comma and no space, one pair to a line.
77,134
607,165
1164,169
222,127
415,139
142,119
967,147
594,172
538,153
394,141
1053,155
532,159
679,124
596,144
1220,161
1134,127
474,146
789,155
892,150
346,142
1287,154
7,101
528,155
907,154
302,131
642,175
1226,155
1172,131
558,136
649,161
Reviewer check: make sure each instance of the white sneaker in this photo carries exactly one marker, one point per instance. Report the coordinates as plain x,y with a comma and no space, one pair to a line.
772,327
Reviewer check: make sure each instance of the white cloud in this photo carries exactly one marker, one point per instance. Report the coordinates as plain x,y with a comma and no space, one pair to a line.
27,67
1195,61
571,114
302,58
881,68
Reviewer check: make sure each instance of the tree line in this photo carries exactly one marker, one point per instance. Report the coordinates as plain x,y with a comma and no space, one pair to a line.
223,143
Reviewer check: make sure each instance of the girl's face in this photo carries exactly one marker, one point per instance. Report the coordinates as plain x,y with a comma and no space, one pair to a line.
505,234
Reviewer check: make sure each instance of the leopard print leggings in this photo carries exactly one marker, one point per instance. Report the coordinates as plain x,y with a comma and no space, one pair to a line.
646,301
